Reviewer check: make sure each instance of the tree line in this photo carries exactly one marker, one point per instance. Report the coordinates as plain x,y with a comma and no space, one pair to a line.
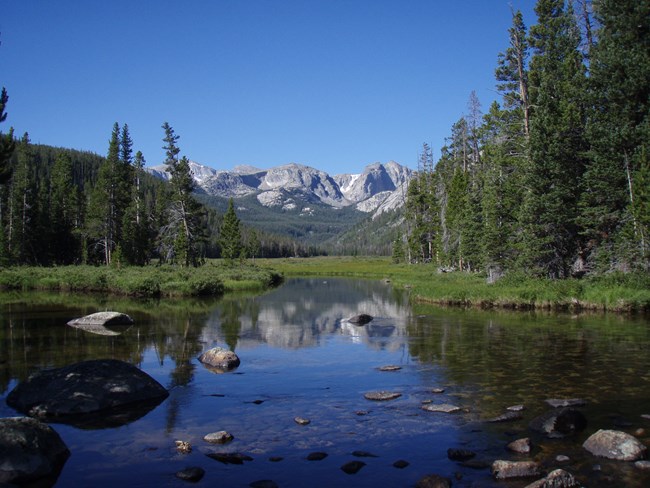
555,178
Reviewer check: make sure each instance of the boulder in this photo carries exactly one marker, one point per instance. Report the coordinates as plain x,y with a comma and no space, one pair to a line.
97,323
614,444
30,451
77,393
433,481
502,470
361,319
220,437
380,396
557,478
559,422
460,454
520,446
219,359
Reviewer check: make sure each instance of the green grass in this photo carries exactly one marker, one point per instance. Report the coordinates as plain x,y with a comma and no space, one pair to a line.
615,292
213,279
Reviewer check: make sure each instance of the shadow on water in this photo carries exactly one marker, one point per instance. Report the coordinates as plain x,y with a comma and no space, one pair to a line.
301,358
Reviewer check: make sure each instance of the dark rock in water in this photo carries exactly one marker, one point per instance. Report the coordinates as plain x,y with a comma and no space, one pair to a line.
316,456
433,481
192,474
229,457
520,446
460,454
263,484
476,464
508,416
276,459
566,402
97,323
401,464
30,452
352,467
219,360
559,422
363,454
361,319
503,470
381,395
614,444
78,393
556,479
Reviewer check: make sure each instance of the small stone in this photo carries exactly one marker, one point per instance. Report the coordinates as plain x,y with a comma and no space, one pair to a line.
361,413
520,446
257,402
263,484
390,367
460,454
426,402
645,416
229,457
515,408
565,402
220,437
401,464
192,474
316,456
561,458
640,432
502,470
382,395
508,416
219,359
433,481
441,407
645,465
363,454
301,421
437,390
183,447
352,467
361,319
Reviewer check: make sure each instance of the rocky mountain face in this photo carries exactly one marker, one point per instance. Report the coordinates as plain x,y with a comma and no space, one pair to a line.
380,187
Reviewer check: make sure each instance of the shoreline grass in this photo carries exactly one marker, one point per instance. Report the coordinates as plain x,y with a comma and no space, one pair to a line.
212,279
621,293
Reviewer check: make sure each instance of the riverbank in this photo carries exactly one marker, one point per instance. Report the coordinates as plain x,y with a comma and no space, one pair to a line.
212,279
612,293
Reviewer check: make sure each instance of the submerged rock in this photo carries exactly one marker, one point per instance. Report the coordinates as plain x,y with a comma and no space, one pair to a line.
263,484
441,407
382,395
614,444
229,457
460,454
316,456
219,359
508,416
192,474
352,467
502,470
559,422
30,451
390,367
433,481
401,464
74,393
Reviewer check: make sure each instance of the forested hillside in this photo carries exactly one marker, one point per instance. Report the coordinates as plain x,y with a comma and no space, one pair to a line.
555,179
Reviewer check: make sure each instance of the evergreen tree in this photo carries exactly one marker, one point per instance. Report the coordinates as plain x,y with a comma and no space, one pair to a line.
619,135
230,234
183,232
63,213
137,231
557,144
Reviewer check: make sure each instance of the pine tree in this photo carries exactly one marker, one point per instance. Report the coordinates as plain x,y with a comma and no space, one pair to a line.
230,234
63,213
557,144
619,135
183,232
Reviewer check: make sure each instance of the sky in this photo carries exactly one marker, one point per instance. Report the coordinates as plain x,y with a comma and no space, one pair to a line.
332,84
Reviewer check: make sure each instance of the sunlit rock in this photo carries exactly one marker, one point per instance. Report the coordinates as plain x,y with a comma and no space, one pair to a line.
614,444
220,437
98,323
557,478
382,395
219,359
30,452
441,407
520,446
503,470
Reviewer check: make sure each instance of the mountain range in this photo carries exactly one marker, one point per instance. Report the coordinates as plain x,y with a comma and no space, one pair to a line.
301,201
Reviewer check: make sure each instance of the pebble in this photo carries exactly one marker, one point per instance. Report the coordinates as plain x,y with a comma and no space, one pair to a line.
561,458
390,367
382,395
220,437
352,467
438,390
441,407
302,421
316,456
183,446
401,464
192,474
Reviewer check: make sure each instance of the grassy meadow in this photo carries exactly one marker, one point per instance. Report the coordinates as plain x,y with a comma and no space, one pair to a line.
615,292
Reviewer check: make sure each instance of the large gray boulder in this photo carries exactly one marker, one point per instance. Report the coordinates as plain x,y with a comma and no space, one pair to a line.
614,444
30,452
103,385
99,323
503,470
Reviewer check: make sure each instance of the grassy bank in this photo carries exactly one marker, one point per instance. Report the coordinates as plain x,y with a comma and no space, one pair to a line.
151,281
616,292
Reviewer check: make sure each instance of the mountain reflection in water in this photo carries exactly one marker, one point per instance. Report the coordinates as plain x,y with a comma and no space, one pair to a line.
300,358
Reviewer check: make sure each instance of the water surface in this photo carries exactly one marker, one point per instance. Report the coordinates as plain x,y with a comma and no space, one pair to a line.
300,358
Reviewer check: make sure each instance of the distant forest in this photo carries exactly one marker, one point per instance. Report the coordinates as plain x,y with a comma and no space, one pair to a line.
553,181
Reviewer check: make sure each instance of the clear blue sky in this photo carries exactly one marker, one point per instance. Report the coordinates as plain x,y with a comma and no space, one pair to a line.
334,84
